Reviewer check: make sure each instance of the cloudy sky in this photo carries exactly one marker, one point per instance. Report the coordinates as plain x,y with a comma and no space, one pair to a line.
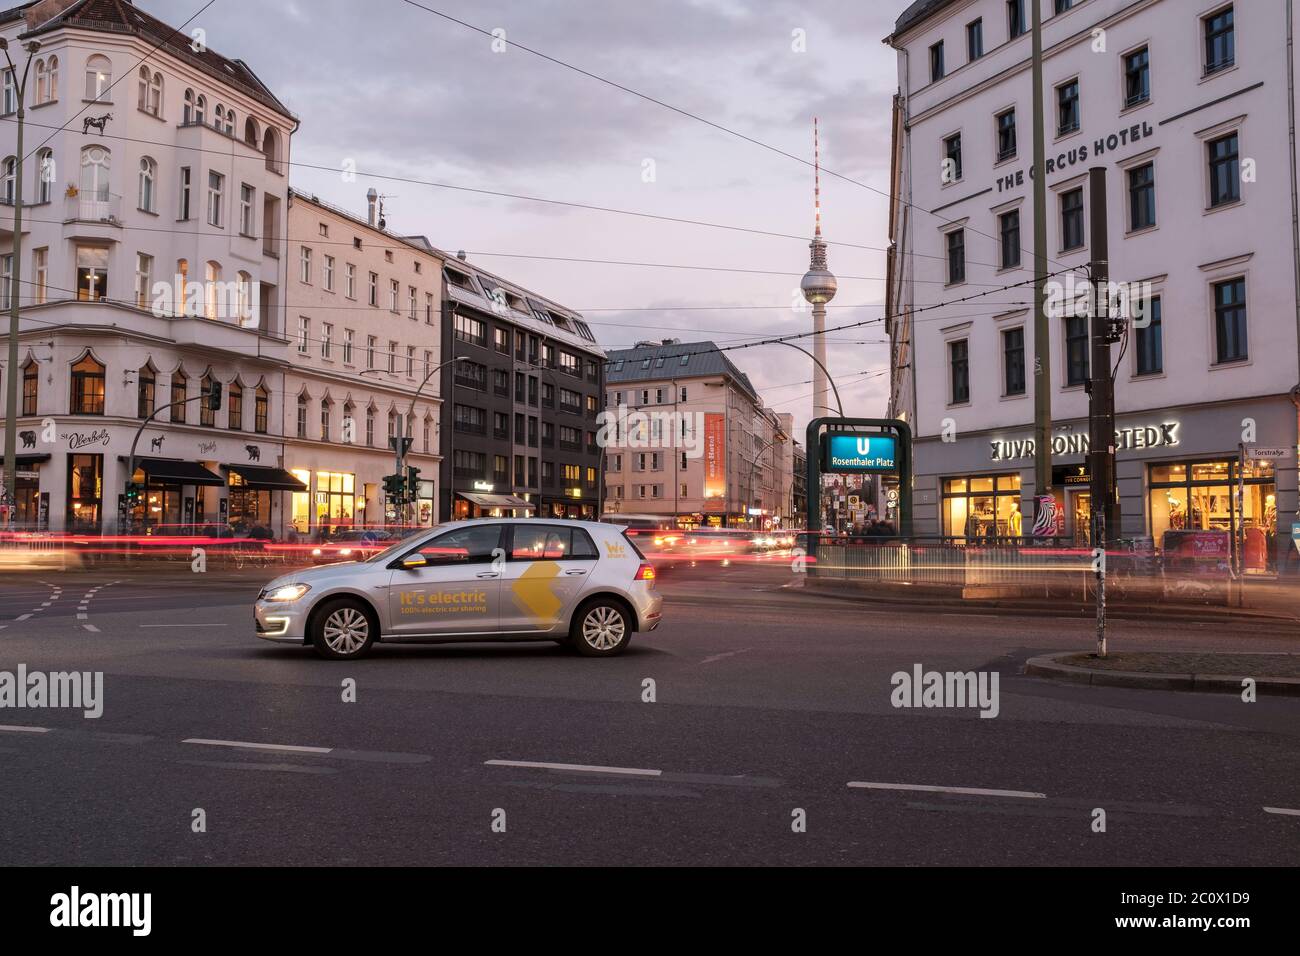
407,94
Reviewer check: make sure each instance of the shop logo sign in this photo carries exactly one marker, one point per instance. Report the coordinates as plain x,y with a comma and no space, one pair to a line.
77,440
207,447
1126,439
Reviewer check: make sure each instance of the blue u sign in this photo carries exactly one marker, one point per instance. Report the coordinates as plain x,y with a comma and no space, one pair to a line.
853,453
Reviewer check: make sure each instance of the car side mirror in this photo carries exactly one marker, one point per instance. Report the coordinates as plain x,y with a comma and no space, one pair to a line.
413,561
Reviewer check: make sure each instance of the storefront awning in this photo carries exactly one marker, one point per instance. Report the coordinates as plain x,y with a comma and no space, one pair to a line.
23,461
265,476
497,501
174,471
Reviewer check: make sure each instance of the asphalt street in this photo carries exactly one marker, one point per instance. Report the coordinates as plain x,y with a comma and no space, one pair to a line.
771,706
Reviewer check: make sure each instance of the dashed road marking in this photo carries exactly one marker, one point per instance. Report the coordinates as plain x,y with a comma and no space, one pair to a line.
91,627
1284,811
926,788
575,767
21,729
291,748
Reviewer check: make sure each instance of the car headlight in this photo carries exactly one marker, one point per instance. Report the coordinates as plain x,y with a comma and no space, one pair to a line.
315,552
286,592
345,551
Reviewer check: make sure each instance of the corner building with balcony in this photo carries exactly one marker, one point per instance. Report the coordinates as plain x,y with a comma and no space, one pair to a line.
1186,105
152,265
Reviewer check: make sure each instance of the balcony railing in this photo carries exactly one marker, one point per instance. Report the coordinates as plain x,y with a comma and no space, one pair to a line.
94,207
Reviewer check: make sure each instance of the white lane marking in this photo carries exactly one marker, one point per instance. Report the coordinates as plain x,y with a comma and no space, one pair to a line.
20,729
47,604
251,746
977,791
185,625
81,617
91,627
718,657
1283,810
22,617
578,767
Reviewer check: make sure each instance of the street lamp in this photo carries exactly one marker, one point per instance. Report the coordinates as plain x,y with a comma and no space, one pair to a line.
10,497
821,365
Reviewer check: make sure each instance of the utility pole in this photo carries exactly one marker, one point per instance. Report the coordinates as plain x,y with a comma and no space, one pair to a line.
10,497
1101,396
1042,331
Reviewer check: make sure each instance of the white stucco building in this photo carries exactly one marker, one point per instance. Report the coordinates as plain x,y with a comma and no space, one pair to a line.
1186,104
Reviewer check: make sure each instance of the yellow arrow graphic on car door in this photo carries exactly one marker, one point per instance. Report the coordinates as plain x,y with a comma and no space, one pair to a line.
534,590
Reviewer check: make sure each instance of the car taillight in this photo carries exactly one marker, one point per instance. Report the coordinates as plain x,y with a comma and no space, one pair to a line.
645,573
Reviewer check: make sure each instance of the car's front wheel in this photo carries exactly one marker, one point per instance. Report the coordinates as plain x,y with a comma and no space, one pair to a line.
601,629
344,629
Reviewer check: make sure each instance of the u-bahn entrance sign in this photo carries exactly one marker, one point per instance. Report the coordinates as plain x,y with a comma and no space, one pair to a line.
859,446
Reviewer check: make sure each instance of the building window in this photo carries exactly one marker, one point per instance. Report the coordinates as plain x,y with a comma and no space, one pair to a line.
1067,107
328,273
1072,219
99,77
348,336
304,265
392,357
325,409
261,409
1013,361
952,153
411,303
304,334
1006,127
1220,41
44,175
179,383
371,341
469,330
410,361
6,281
350,280
150,91
374,289
31,376
393,287
40,277
956,256
207,417
143,280
1015,18
95,166
183,212
1148,344
1189,496
936,62
959,371
981,507
92,273
1142,197
1137,77
326,340
370,426
1076,349
975,39
212,288
146,383
301,422
1009,238
1063,5
87,387
216,193
1230,321
246,195
1225,173
235,406
428,308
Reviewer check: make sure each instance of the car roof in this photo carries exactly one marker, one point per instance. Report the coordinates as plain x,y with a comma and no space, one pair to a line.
589,525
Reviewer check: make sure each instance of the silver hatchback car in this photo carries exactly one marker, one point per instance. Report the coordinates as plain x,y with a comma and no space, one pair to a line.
581,583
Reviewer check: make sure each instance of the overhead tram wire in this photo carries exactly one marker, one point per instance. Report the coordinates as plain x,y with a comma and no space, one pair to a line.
699,119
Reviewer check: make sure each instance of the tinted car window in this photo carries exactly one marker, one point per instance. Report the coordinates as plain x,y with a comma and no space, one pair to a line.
472,545
539,543
583,546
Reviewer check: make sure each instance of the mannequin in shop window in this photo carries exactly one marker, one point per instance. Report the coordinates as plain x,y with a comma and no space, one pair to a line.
1014,520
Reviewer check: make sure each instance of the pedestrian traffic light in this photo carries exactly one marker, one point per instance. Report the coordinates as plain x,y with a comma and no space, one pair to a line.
214,396
393,486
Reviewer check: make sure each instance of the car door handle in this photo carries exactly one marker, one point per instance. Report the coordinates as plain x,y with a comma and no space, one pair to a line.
576,572
487,574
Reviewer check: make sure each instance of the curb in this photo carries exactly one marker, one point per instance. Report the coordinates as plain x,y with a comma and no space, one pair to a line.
1049,665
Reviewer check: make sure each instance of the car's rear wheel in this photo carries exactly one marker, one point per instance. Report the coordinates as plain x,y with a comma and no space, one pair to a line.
344,629
601,628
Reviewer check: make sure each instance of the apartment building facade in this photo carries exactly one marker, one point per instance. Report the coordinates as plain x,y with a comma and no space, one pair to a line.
1186,105
691,440
364,309
151,268
521,403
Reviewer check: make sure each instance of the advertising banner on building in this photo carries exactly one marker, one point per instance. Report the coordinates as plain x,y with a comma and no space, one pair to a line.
715,458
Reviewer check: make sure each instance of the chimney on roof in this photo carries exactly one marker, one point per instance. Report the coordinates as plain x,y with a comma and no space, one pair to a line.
372,196
671,342
38,13
462,255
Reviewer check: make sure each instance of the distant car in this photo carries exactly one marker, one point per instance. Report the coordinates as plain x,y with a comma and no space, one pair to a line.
352,546
581,583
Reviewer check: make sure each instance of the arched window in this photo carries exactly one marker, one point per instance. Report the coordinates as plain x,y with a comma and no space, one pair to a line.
261,409
150,91
207,417
251,136
31,383
349,424
181,306
271,149
148,181
180,382
212,286
88,387
146,382
370,425
44,175
218,116
52,70
228,127
326,406
95,165
200,109
245,296
42,81
187,111
301,431
7,190
235,403
99,77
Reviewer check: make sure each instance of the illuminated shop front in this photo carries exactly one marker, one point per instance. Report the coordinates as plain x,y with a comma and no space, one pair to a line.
982,506
173,500
330,504
1203,496
250,501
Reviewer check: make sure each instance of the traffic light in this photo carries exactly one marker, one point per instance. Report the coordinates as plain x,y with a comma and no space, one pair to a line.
133,490
412,480
393,486
214,396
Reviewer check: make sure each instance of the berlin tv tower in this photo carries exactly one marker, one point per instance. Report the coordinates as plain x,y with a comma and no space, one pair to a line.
818,287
